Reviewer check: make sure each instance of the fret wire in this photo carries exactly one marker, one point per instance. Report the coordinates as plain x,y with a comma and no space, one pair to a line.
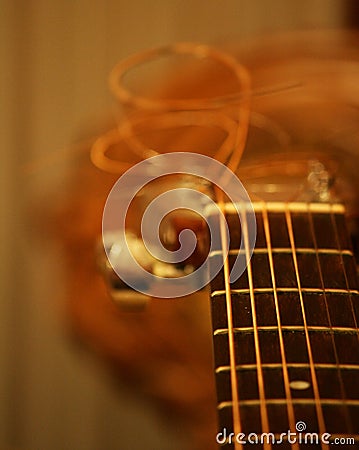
237,426
296,401
325,251
341,381
289,405
321,208
270,290
318,407
349,291
289,365
329,329
263,406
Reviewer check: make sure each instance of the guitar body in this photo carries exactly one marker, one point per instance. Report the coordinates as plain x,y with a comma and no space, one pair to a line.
285,336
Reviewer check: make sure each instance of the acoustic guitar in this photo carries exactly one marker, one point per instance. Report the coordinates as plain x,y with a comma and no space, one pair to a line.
285,334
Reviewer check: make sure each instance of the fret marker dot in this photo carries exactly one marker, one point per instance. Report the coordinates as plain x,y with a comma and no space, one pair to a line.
299,385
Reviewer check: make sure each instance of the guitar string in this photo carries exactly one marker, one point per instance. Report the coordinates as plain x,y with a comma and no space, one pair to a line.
318,407
263,405
341,381
290,408
345,276
349,291
237,424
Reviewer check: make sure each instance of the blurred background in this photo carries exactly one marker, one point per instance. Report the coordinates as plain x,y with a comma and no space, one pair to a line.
55,61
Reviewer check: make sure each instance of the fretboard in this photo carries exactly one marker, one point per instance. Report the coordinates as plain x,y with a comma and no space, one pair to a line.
286,342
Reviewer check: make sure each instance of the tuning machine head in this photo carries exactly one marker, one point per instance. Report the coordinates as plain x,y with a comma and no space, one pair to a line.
113,255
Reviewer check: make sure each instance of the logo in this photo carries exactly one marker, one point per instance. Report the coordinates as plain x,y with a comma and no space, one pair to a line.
300,426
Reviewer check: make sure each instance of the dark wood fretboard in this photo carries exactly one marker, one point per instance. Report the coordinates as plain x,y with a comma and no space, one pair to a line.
286,343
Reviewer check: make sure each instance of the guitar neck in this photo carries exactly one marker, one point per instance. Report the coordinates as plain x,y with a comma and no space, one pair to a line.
286,344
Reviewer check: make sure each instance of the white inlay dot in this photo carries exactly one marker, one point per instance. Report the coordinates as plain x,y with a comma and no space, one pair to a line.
299,385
